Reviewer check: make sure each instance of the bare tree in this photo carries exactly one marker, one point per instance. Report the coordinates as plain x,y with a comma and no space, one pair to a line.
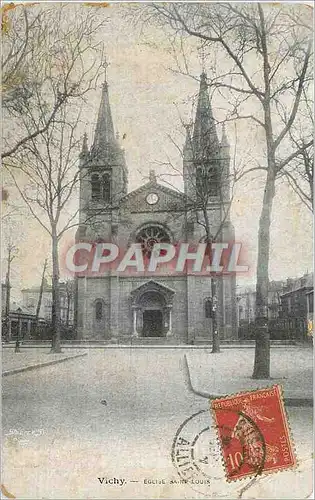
11,211
300,171
270,59
46,175
50,58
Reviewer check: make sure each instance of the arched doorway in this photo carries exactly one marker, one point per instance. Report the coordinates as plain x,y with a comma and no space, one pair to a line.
152,305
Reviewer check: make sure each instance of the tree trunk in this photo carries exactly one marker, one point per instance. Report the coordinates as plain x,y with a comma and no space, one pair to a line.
262,336
215,332
40,297
262,344
56,345
214,298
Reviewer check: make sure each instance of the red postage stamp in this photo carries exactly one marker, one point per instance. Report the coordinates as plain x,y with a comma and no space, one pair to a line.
254,433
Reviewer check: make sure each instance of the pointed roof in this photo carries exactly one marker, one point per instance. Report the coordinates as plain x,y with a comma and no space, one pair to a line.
104,136
205,140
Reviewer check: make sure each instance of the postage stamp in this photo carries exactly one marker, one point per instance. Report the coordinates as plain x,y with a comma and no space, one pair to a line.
254,433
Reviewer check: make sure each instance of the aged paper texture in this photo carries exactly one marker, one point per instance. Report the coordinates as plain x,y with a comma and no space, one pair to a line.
156,256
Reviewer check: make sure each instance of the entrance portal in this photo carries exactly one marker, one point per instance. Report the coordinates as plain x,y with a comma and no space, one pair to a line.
152,323
151,310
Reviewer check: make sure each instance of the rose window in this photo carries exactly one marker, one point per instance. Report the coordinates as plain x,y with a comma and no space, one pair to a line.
149,236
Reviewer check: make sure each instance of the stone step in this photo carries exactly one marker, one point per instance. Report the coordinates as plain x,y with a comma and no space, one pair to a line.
154,341
123,339
149,341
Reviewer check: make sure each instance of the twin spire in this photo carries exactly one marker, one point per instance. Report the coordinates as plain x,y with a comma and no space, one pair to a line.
104,132
104,136
204,140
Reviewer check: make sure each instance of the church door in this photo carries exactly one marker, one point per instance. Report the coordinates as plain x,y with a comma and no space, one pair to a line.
152,323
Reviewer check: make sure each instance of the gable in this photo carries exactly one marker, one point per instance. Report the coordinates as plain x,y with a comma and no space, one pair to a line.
152,286
153,197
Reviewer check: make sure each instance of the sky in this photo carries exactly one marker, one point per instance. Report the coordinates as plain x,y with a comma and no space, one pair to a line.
149,102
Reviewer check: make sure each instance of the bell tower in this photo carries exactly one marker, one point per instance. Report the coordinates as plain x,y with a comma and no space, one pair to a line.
206,169
206,162
103,170
202,152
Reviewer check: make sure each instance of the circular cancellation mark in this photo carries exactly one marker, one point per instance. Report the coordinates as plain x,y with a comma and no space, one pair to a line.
197,457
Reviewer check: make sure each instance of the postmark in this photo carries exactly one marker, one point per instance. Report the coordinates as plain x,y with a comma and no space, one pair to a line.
197,458
254,433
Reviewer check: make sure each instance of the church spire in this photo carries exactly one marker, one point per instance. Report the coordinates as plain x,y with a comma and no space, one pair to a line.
104,136
205,139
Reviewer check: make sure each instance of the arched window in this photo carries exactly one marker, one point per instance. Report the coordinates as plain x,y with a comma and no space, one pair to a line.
149,236
208,308
106,188
99,310
96,187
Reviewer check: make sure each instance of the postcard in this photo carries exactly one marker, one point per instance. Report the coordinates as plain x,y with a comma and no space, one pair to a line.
156,257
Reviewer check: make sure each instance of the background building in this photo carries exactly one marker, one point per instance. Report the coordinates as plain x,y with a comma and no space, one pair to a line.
246,300
30,298
290,305
297,302
21,321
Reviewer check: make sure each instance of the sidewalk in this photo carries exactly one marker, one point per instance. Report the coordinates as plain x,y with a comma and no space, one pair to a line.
229,372
29,359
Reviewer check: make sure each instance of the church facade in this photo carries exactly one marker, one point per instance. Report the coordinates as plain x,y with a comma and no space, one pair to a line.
170,308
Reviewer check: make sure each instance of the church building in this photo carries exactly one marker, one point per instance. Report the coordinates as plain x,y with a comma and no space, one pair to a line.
159,309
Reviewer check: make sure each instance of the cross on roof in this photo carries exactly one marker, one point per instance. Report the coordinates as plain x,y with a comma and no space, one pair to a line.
105,65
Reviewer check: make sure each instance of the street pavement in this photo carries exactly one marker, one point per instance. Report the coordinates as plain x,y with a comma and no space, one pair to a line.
114,414
229,372
28,358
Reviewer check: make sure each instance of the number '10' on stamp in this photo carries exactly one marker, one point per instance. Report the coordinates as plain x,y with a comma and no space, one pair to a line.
254,433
